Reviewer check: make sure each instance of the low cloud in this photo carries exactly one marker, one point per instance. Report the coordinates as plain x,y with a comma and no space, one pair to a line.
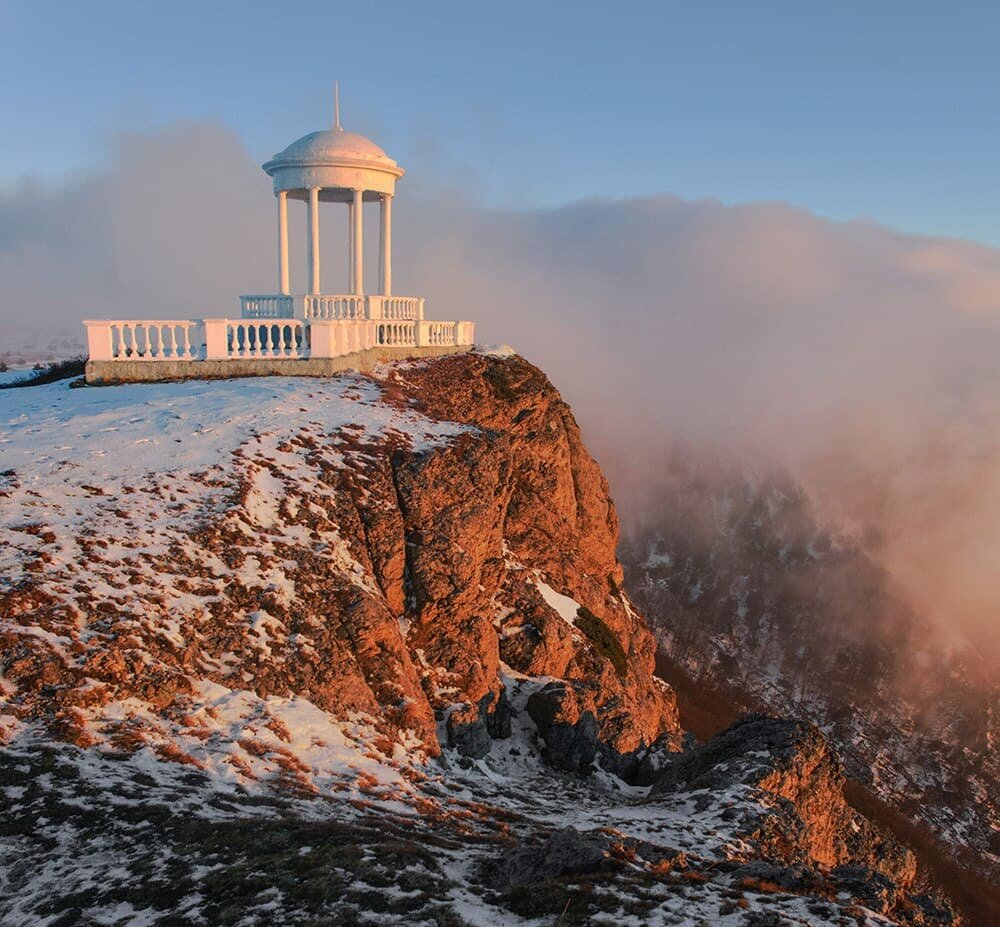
865,360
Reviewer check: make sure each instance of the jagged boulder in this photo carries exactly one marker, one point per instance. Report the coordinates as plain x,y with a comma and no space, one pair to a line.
569,733
791,765
566,852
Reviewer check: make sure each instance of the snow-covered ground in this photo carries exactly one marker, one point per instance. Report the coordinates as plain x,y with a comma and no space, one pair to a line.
115,840
15,374
241,809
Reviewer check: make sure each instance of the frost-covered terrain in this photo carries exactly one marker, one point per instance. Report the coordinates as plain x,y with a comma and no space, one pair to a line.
94,837
288,651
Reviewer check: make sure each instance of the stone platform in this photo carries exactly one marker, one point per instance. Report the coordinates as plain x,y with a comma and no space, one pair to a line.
111,372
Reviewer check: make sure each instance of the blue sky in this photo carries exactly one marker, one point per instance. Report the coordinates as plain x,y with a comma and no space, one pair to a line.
881,110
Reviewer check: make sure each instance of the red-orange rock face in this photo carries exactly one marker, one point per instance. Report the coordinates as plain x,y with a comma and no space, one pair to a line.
372,574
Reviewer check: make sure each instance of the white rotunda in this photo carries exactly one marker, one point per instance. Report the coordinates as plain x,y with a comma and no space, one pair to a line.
334,166
311,327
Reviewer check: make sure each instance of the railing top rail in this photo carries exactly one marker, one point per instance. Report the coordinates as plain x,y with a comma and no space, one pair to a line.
143,321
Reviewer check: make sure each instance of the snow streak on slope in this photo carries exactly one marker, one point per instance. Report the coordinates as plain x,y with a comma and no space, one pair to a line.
63,449
103,490
194,597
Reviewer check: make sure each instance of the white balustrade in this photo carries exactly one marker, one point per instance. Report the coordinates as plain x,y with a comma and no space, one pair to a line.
396,334
145,339
245,338
225,339
276,306
440,333
401,307
465,333
336,307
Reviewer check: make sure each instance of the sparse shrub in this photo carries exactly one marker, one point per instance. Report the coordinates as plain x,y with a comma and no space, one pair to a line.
496,375
603,639
57,370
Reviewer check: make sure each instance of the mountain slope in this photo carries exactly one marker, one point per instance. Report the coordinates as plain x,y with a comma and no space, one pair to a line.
748,592
356,650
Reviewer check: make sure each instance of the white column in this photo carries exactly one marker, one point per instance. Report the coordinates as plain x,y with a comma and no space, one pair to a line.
385,245
350,245
283,285
357,250
314,240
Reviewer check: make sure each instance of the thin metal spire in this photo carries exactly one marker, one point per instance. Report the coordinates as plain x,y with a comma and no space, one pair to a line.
336,104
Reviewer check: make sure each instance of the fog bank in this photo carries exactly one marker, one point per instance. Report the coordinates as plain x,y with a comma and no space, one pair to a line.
863,359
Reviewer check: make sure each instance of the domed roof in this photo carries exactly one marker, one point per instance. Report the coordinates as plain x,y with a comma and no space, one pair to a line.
332,146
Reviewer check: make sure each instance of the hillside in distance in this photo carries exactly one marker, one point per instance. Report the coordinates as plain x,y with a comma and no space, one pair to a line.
750,593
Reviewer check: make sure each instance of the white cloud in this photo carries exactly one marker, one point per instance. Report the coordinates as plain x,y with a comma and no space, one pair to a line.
865,359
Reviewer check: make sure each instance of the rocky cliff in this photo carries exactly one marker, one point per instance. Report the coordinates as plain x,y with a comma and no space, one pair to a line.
357,650
399,563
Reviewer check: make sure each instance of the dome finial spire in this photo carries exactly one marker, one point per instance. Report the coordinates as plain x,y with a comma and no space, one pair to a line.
336,104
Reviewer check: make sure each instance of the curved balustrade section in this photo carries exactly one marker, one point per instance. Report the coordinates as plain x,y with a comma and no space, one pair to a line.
335,307
270,306
401,307
346,306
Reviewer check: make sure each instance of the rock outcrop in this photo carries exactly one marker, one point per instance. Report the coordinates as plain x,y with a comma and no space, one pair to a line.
281,613
791,763
806,839
394,567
